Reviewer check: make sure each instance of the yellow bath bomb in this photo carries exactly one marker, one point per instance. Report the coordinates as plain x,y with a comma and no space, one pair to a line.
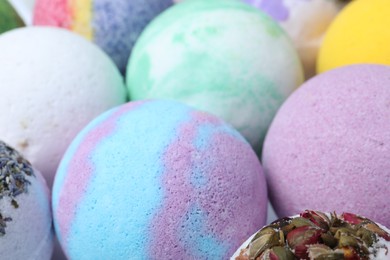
359,34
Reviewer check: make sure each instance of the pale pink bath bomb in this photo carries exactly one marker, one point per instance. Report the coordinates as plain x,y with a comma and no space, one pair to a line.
328,147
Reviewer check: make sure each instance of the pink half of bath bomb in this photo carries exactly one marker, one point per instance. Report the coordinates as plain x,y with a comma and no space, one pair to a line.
328,147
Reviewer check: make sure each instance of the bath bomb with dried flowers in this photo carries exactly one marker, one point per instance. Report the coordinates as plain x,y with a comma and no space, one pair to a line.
112,25
328,147
53,82
25,216
223,57
157,180
316,235
9,18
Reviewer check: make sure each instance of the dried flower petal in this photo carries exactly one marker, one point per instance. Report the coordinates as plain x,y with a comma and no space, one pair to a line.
344,231
329,240
280,253
301,237
320,251
301,222
348,241
318,218
376,229
351,218
268,239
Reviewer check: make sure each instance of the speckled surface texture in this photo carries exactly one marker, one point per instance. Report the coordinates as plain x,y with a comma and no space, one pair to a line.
113,25
328,147
157,179
53,82
224,57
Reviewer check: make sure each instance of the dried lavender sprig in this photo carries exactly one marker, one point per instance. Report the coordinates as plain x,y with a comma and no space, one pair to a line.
13,172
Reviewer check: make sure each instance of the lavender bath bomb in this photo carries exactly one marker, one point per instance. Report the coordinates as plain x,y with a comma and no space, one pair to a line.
328,147
25,216
157,180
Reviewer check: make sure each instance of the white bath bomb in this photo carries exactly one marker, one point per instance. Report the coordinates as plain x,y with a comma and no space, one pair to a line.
53,82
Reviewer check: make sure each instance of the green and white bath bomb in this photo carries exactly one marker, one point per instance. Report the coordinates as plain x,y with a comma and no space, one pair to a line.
221,56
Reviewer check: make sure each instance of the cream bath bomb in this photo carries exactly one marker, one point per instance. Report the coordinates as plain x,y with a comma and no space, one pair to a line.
157,180
316,235
328,147
359,34
25,216
305,21
53,82
223,57
112,25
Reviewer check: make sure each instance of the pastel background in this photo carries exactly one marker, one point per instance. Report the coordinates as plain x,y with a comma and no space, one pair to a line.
112,25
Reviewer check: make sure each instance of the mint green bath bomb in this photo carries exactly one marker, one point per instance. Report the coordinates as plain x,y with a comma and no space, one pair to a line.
9,18
221,56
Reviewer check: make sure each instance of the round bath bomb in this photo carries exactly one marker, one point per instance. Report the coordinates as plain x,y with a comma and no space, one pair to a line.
305,22
359,34
53,82
328,146
317,235
157,180
25,216
9,18
197,52
112,25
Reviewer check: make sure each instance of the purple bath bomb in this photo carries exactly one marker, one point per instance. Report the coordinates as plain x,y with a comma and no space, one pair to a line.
157,180
328,147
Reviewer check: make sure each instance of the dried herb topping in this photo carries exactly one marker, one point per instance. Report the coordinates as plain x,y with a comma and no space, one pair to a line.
315,235
13,172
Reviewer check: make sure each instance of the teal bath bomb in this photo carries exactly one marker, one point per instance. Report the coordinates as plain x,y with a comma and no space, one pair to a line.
9,18
220,56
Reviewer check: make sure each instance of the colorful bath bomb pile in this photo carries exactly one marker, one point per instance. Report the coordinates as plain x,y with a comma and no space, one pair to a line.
305,22
9,19
53,82
113,25
316,235
224,57
157,180
360,34
328,146
25,216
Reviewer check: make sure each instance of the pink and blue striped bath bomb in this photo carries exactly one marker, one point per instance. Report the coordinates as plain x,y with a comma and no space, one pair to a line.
328,147
157,180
